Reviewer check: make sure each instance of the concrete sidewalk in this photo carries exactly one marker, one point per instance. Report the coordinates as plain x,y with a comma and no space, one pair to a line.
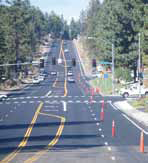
125,107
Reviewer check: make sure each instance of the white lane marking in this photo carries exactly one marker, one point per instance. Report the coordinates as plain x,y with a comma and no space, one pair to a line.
78,101
56,96
35,97
28,97
140,128
42,97
48,110
31,102
97,124
85,101
69,96
22,98
16,102
102,136
70,101
134,124
100,129
95,119
24,102
64,105
109,148
14,98
93,115
113,158
11,111
6,115
106,143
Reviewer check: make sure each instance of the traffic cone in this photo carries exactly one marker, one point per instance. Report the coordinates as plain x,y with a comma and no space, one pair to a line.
103,103
97,90
142,142
113,128
91,99
102,114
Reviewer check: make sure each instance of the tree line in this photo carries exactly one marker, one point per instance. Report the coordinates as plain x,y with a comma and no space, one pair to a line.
23,28
118,22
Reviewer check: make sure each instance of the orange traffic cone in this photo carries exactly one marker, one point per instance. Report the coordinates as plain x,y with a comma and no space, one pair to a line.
113,128
142,142
102,114
103,103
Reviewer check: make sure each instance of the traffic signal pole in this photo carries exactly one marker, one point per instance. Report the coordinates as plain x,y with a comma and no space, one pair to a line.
113,69
139,66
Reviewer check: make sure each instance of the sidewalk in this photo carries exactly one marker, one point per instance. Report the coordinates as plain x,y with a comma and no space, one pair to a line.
125,107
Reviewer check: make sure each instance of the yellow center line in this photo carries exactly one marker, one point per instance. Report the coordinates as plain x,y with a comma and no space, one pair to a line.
52,143
25,139
54,84
65,83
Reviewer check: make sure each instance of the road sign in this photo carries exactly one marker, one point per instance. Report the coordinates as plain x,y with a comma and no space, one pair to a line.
105,76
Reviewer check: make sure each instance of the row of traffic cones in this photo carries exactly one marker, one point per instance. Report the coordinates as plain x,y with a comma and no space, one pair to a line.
114,128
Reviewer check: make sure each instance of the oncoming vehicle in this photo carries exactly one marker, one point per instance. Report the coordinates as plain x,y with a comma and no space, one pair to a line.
2,97
133,91
71,80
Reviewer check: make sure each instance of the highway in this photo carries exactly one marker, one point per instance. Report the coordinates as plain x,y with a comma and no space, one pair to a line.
59,122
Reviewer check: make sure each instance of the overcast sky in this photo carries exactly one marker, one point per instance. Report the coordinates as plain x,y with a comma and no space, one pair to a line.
69,8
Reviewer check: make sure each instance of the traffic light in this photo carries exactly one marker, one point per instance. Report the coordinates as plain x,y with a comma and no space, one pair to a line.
74,62
53,61
94,63
41,63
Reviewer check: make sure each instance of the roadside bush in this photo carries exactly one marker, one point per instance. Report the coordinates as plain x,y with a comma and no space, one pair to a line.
123,74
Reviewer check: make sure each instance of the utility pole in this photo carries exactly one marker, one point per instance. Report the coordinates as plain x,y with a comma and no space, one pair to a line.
139,64
113,69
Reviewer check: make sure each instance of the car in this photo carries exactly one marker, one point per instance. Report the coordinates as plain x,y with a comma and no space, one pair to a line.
41,78
66,50
133,90
69,73
53,73
35,81
2,97
71,80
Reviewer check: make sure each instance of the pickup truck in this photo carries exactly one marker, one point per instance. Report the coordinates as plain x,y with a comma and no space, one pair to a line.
133,91
2,97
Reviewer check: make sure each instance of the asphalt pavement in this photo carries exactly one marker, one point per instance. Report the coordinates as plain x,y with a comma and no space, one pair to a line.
59,122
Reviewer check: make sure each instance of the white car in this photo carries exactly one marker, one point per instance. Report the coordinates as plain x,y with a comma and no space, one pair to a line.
71,80
66,50
3,97
35,81
69,73
41,78
53,73
133,91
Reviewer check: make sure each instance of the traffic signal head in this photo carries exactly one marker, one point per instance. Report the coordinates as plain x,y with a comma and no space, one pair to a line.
74,62
53,61
41,63
94,64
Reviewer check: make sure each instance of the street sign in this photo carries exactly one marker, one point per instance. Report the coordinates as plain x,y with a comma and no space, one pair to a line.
105,76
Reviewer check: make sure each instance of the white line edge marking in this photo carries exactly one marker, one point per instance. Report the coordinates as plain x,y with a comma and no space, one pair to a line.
140,128
64,105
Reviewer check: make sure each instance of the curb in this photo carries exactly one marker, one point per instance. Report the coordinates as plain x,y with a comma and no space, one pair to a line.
125,107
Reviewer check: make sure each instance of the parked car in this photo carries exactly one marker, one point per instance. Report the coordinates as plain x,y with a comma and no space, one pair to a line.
2,97
133,90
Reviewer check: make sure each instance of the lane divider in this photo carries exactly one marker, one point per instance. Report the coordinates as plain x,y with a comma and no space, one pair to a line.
26,137
52,143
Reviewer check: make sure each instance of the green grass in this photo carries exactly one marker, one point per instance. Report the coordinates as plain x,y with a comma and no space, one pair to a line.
141,103
105,85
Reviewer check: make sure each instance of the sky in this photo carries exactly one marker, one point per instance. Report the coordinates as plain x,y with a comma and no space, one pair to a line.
69,8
